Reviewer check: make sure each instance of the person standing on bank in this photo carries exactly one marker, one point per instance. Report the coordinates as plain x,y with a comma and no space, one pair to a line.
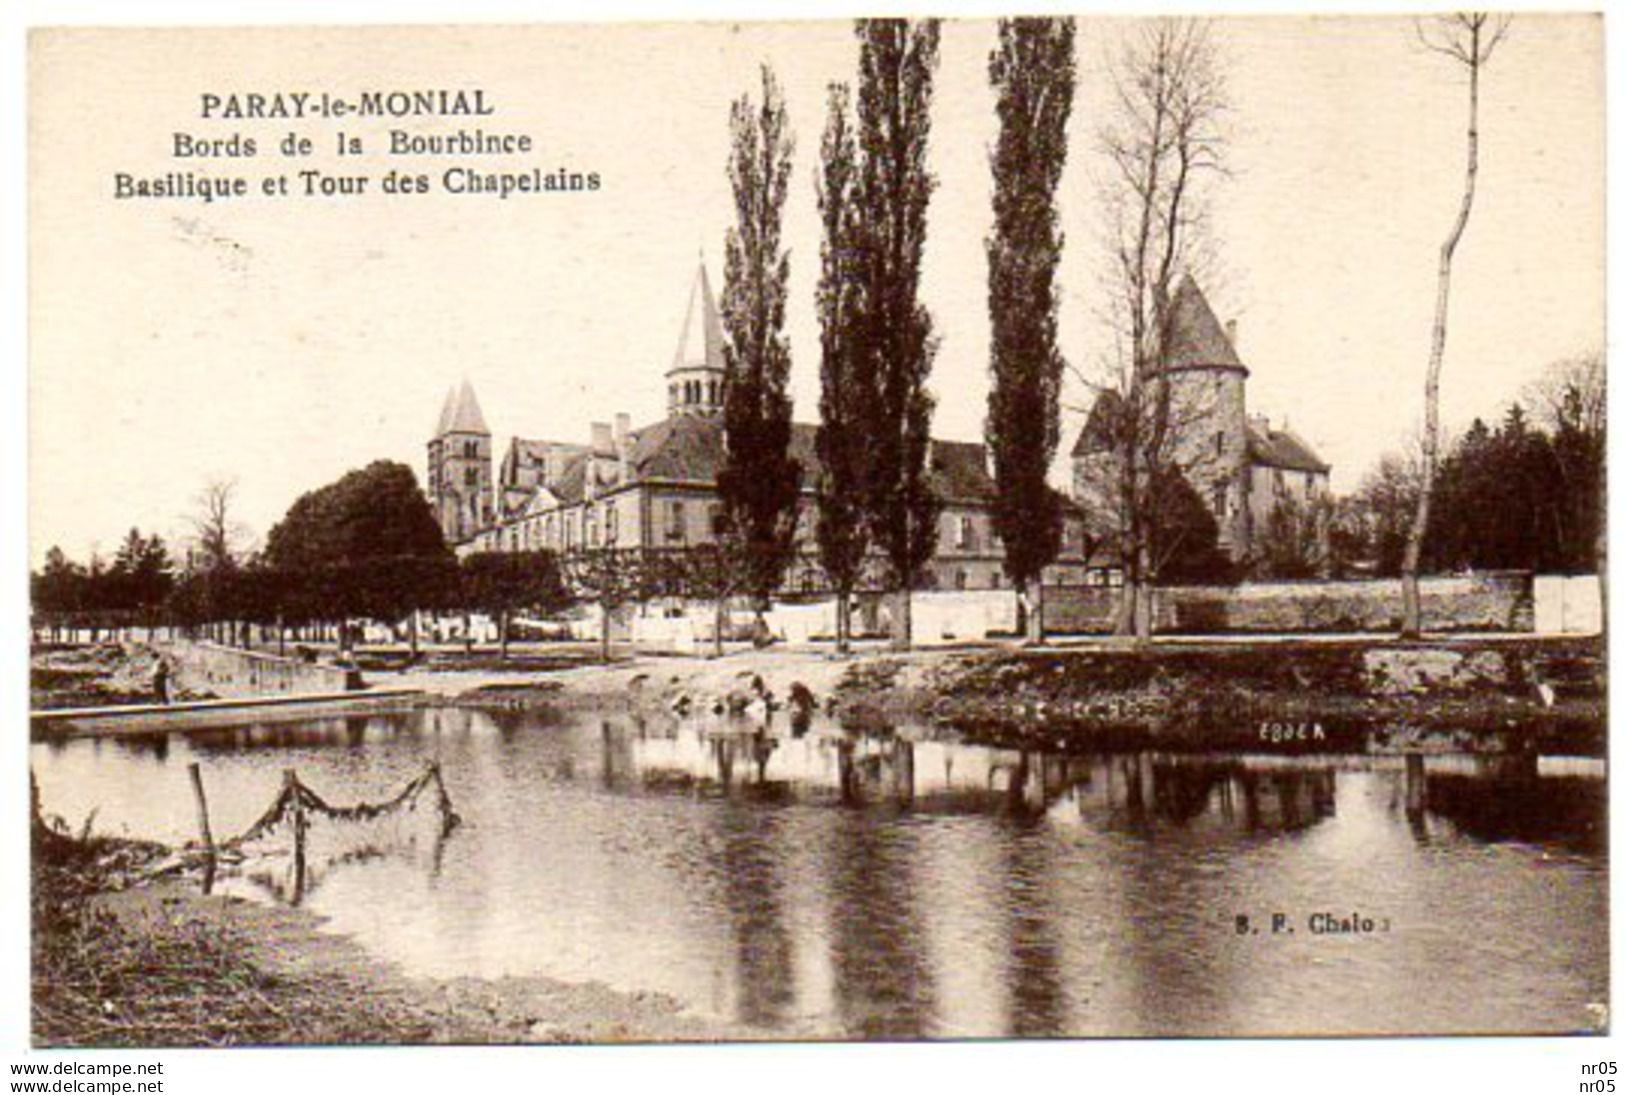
160,681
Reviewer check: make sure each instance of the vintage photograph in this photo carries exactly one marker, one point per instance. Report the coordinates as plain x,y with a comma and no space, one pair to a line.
836,530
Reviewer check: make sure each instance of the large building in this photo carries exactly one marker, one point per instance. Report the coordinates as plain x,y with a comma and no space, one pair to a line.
656,487
1240,465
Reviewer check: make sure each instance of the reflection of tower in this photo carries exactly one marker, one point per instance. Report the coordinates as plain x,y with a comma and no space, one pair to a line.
1208,402
694,381
460,466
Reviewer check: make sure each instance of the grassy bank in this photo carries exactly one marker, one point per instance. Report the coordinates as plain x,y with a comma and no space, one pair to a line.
119,961
1497,695
1482,695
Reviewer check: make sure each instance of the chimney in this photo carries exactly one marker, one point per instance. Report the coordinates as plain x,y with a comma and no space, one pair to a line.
1231,333
623,447
603,438
1261,423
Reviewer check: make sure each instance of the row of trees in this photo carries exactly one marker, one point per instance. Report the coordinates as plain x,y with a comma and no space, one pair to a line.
1529,493
877,343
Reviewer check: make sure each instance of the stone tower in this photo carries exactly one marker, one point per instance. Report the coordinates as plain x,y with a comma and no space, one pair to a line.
460,467
694,381
1208,403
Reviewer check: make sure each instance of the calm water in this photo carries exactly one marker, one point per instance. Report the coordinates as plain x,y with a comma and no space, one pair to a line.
835,885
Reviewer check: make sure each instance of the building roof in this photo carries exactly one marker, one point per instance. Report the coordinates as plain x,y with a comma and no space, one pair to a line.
1282,449
1096,435
571,485
700,343
688,449
445,412
1196,338
462,413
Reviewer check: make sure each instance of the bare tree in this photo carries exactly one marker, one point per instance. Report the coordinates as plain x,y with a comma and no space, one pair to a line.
1161,138
218,537
1468,39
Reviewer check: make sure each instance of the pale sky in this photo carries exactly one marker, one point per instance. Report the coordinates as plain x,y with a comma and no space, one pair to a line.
283,342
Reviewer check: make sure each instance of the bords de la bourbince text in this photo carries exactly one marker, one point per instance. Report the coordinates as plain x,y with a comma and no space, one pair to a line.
373,143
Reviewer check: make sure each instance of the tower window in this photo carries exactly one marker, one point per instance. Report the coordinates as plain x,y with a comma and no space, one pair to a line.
676,531
1218,443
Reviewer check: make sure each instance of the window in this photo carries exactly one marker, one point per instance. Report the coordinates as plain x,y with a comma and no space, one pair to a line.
675,530
711,390
590,523
959,579
612,529
471,477
966,540
1221,499
671,393
718,522
1218,443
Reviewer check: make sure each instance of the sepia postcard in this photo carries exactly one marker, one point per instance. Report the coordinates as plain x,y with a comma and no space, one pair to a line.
836,530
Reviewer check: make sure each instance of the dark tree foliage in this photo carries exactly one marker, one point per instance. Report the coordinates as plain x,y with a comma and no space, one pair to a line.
1187,537
1503,500
131,592
376,512
760,485
897,62
843,540
503,583
366,545
1034,74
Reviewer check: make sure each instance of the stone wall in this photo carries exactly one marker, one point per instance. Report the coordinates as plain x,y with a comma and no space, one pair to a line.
1568,604
1500,601
230,673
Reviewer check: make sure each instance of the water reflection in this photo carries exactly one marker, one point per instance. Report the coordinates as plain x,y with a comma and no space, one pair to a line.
812,881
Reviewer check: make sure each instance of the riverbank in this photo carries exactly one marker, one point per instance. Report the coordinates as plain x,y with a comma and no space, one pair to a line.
1487,693
118,961
1472,694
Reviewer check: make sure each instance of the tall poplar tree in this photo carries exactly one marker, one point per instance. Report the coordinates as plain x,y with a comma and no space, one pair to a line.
897,62
843,540
1034,74
759,483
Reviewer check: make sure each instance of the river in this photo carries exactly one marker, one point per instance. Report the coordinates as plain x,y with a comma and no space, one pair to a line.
826,884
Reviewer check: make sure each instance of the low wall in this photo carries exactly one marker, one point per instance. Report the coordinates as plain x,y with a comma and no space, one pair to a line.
229,672
1568,604
1479,602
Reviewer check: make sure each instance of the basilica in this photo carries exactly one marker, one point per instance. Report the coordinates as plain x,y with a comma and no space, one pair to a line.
656,486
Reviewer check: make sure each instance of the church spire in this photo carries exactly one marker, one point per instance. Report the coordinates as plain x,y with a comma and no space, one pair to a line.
694,381
465,416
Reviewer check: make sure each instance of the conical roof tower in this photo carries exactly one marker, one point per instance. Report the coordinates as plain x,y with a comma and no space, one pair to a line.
694,381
